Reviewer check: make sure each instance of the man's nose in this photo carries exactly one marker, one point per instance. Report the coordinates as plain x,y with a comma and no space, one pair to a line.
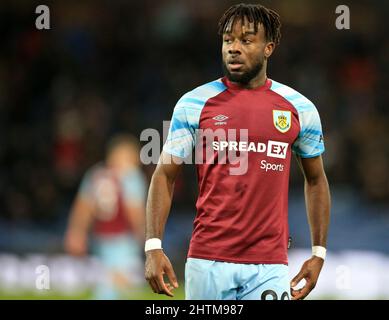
235,48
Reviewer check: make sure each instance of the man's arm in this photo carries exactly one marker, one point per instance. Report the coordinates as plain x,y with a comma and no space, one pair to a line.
317,199
81,217
136,213
157,210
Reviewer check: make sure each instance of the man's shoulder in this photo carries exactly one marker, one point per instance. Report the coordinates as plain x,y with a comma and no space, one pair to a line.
96,169
202,93
297,99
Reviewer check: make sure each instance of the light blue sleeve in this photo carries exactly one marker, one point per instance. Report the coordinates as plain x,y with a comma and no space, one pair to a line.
181,137
85,189
134,186
185,121
309,142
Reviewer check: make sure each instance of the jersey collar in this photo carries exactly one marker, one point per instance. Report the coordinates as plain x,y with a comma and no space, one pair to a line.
231,85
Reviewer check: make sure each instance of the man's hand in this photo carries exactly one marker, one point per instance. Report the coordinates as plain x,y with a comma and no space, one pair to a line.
157,264
310,272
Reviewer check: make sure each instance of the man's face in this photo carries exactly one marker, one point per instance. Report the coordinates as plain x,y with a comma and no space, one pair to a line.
122,158
244,52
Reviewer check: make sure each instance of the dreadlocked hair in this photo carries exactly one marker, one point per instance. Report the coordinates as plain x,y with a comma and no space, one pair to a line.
254,13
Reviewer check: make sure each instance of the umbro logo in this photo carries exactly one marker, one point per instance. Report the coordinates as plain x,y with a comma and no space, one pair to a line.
220,119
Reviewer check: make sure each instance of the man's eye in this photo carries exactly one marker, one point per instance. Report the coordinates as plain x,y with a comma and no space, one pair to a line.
227,40
246,41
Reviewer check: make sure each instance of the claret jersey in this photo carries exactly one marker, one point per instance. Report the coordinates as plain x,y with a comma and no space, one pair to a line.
242,217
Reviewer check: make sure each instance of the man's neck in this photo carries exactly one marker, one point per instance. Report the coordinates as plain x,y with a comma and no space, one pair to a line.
258,81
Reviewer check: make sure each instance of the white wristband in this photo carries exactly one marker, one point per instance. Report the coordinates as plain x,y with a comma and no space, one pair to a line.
152,244
319,251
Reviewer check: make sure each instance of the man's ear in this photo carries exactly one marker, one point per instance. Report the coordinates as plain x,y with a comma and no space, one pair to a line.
269,49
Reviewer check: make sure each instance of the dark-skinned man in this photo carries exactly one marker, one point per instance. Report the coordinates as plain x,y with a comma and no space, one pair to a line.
238,249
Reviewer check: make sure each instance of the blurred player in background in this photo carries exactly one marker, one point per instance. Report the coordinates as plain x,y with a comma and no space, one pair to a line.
238,249
111,201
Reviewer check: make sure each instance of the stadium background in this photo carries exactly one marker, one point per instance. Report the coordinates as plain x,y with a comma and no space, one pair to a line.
110,66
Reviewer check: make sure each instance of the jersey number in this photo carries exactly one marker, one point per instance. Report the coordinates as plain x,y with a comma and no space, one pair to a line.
273,294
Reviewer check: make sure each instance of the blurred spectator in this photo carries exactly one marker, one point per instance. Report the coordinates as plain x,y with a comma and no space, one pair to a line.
111,201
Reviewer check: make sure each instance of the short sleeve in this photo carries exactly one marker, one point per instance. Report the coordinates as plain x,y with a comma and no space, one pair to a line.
134,186
310,141
180,140
85,189
185,121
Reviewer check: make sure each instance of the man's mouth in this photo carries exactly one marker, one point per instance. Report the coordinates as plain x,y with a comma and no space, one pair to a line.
235,65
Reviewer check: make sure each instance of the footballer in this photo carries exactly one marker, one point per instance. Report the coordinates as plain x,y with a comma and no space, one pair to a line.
238,249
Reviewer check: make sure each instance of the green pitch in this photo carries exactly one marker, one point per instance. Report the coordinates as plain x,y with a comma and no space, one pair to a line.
144,293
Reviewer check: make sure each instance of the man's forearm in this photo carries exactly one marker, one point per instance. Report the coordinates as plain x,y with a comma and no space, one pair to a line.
158,205
81,216
318,202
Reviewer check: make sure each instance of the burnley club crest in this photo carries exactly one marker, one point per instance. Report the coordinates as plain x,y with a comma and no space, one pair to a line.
282,120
